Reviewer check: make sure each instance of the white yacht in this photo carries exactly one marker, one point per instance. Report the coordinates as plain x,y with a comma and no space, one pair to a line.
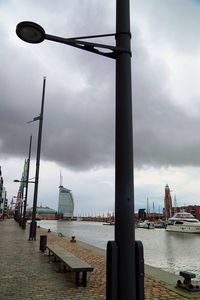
183,222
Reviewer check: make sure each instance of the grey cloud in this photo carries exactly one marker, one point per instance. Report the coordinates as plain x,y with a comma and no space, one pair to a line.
164,133
172,22
79,105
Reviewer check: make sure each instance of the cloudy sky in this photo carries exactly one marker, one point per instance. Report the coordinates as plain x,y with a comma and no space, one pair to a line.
78,129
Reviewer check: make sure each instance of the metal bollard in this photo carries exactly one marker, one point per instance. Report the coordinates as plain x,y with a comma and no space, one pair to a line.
73,240
43,242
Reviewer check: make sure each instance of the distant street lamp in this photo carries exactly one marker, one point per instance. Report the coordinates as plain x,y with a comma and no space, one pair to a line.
125,278
27,182
23,221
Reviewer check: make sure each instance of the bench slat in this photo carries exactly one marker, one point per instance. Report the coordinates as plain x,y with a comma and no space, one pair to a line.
74,263
58,250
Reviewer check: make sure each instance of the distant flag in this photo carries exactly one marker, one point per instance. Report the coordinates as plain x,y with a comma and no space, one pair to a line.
23,181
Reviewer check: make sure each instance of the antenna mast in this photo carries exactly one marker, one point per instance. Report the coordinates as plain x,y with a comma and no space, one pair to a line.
61,178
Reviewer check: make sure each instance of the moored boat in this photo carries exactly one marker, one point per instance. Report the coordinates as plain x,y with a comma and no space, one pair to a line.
160,225
109,223
146,225
183,222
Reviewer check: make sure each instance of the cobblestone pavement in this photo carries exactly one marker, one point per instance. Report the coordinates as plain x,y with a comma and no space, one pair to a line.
26,273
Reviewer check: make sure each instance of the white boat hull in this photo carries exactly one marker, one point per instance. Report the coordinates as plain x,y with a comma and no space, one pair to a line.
146,225
183,228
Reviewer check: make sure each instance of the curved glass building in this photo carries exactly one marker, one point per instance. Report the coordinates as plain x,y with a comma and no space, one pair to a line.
65,203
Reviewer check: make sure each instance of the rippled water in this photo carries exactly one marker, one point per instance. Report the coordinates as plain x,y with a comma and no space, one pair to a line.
171,251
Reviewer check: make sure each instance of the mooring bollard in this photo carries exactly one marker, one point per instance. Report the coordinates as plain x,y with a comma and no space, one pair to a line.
43,242
73,240
187,284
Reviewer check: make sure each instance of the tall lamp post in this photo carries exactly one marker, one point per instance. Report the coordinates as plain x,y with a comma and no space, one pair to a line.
27,182
33,225
123,253
25,201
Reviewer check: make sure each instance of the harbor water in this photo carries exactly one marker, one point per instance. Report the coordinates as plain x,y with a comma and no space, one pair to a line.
170,251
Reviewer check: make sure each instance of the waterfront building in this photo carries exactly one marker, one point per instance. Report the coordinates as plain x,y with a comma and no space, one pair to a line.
3,199
65,203
4,202
43,213
1,194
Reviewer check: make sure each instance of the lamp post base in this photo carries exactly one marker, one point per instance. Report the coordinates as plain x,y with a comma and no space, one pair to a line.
112,271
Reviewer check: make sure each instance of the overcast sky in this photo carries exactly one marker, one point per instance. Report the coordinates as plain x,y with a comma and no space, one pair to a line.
78,129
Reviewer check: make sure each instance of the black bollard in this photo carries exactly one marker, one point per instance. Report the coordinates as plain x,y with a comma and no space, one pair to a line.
43,242
73,240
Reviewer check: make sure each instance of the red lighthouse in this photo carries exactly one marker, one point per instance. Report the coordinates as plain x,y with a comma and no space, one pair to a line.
168,203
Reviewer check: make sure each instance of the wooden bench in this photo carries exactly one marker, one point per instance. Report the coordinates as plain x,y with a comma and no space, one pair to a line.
71,263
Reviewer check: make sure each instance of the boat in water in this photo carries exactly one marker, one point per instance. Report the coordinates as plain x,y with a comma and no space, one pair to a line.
109,223
146,225
183,222
160,225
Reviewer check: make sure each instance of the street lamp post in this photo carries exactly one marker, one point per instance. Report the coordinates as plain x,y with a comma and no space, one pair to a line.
33,225
20,210
124,256
17,212
23,222
27,182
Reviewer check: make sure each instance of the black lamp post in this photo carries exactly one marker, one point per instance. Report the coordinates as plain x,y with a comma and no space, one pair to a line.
123,281
21,209
27,182
33,225
23,221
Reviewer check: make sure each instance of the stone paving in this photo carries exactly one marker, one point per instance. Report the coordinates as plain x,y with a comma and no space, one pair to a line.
26,273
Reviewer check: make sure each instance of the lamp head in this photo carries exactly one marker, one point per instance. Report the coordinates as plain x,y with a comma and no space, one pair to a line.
16,180
30,32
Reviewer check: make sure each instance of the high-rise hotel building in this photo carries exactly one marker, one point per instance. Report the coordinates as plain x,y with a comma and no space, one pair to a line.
65,203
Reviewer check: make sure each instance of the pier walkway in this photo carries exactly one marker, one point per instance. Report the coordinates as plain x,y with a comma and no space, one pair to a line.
27,274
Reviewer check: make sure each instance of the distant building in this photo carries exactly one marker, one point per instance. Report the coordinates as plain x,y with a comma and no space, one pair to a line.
65,203
5,202
3,199
1,194
43,213
167,203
